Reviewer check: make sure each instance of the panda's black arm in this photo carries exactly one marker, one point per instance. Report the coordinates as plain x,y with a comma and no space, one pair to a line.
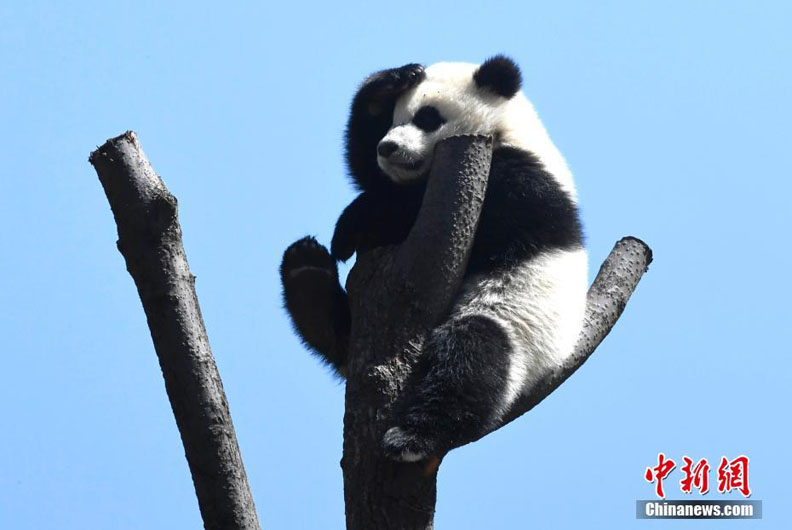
316,302
349,227
376,219
370,118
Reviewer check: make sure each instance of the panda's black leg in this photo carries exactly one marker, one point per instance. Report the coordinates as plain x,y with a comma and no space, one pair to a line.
315,300
456,392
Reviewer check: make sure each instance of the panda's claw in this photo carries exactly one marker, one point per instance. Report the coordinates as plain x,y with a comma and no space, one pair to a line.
406,77
411,73
394,82
404,445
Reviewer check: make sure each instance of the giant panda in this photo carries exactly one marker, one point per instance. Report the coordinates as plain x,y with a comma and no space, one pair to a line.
520,309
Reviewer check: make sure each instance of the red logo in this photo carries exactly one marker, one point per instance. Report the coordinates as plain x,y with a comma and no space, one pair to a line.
659,473
732,475
695,476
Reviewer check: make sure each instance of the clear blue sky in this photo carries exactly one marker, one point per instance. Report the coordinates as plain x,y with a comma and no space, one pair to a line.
674,116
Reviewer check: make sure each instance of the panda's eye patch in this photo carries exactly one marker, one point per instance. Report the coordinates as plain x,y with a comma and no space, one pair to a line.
428,119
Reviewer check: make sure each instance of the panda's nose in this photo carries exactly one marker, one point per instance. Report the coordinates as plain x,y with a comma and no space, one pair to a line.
387,148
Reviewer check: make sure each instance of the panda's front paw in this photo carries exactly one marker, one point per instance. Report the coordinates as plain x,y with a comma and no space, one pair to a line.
385,86
343,246
307,255
407,445
399,80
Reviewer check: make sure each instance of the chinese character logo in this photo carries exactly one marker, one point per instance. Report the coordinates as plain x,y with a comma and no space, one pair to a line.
659,473
734,476
695,476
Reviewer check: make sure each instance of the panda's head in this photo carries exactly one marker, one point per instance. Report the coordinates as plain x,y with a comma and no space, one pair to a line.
453,99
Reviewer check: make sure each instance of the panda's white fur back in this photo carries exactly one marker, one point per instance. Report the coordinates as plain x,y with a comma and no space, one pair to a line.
540,304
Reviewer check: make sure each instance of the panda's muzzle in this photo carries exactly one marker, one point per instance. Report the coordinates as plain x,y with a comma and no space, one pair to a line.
410,166
386,148
390,152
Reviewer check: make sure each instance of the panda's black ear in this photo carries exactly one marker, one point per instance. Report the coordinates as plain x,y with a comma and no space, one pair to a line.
499,74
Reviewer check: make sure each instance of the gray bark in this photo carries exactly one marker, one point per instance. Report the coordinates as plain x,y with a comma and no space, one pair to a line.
149,238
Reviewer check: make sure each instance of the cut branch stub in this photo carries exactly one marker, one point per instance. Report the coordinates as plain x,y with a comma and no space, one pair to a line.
434,257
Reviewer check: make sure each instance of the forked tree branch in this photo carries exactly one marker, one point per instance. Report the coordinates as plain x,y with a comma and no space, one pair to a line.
397,295
149,238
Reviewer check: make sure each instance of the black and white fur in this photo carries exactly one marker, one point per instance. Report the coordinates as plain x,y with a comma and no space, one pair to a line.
521,306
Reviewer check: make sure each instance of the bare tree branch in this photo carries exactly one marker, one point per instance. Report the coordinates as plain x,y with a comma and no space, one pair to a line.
435,255
607,297
149,238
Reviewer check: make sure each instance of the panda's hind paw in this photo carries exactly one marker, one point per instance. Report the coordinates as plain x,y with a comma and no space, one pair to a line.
405,445
307,254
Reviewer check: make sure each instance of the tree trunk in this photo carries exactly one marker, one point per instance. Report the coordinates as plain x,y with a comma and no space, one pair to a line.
397,295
